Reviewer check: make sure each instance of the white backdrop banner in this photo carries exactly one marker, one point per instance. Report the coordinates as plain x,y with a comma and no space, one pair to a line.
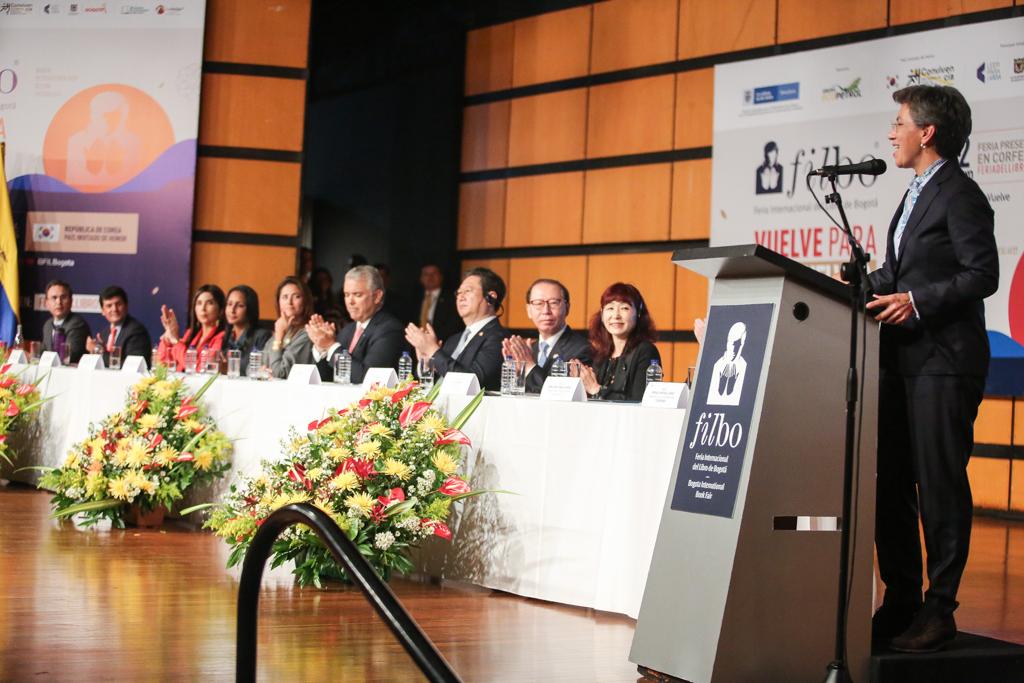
780,117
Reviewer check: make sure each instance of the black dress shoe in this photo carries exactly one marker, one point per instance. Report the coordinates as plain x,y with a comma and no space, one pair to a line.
891,620
930,631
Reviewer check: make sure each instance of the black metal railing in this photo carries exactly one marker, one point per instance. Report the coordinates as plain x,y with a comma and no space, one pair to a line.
409,634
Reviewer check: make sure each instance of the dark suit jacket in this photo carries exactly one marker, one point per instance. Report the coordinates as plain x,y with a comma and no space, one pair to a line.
134,340
482,355
380,346
949,262
76,330
446,320
627,380
571,344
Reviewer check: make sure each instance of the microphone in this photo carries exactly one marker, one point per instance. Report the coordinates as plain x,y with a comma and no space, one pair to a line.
869,167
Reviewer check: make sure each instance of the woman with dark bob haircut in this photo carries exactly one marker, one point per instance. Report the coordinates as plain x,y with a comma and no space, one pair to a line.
290,344
622,336
206,329
243,316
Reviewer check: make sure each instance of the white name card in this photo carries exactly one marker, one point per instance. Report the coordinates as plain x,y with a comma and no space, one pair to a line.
303,373
563,389
386,377
91,361
17,357
136,364
49,359
666,395
460,384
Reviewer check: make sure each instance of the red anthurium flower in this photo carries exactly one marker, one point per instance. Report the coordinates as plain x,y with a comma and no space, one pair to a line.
6,382
453,486
3,439
317,424
441,529
297,473
12,409
186,411
5,368
452,436
399,395
364,402
342,411
377,514
412,413
395,495
185,457
156,441
140,409
363,467
25,389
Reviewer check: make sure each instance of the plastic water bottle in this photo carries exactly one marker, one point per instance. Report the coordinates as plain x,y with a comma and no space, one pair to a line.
508,376
19,339
404,367
654,371
559,368
343,367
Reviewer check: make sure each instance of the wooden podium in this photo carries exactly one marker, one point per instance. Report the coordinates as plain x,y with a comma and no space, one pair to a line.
744,579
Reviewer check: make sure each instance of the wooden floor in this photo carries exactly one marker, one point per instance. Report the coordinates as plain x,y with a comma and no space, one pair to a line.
81,605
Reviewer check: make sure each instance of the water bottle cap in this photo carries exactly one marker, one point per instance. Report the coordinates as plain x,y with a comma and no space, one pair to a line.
654,361
405,354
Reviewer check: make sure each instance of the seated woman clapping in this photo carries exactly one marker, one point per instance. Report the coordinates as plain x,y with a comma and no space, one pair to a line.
243,315
622,336
205,332
290,344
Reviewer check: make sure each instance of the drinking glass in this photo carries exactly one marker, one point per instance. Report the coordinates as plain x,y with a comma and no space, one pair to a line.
519,386
255,369
191,361
234,363
35,349
342,369
115,358
425,372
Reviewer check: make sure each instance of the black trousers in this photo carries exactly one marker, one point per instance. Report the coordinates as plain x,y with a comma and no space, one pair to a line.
925,437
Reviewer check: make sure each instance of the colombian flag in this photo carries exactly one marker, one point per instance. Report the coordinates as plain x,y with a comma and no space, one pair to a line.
8,265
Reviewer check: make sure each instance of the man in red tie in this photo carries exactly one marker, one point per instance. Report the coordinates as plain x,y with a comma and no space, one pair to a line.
374,338
124,332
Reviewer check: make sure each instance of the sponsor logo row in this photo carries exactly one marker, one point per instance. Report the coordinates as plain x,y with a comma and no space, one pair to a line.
84,8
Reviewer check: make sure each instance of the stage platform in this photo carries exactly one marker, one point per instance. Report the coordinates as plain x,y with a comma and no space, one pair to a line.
140,605
970,658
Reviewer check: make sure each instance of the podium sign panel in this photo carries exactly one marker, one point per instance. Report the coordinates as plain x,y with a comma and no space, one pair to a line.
721,409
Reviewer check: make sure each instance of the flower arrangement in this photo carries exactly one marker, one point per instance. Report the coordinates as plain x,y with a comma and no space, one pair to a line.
384,469
18,401
146,455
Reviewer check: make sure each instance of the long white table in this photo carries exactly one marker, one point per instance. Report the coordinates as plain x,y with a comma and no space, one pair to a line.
589,479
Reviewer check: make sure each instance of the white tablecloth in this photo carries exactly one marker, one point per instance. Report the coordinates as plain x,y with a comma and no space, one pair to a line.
589,479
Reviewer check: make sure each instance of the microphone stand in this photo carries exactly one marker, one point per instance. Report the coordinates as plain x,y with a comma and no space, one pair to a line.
855,272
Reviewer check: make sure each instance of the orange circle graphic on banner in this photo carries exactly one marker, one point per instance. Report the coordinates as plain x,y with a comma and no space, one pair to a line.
104,136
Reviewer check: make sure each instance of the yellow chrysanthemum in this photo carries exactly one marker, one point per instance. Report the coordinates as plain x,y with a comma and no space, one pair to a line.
287,499
360,502
204,459
330,428
325,505
444,462
136,455
94,483
71,460
345,481
120,489
315,473
135,479
193,425
432,423
120,454
339,454
368,449
378,429
163,389
397,468
297,444
149,421
144,383
165,456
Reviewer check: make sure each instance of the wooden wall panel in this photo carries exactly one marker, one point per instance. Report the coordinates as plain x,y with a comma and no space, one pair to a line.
242,195
629,33
909,11
989,482
707,28
481,214
629,204
647,272
250,111
994,422
227,265
499,266
257,32
684,356
571,271
489,58
805,19
547,128
695,99
1017,486
630,117
691,298
667,352
691,200
485,136
552,46
544,210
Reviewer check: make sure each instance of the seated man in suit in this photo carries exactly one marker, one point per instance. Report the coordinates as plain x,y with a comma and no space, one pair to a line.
478,348
125,332
437,307
66,332
373,338
547,305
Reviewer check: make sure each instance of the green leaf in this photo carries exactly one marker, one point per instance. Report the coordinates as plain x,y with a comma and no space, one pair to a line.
41,468
236,556
195,439
434,391
399,508
91,506
468,411
197,508
202,389
480,493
